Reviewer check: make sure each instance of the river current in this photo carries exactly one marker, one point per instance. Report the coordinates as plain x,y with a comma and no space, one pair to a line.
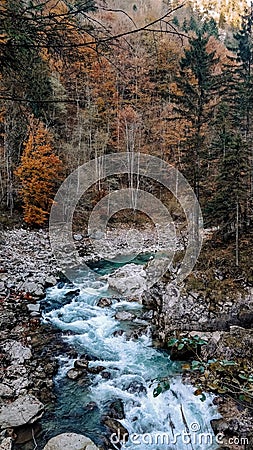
169,421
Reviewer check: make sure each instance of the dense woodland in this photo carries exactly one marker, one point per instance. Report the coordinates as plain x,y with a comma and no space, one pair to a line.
80,80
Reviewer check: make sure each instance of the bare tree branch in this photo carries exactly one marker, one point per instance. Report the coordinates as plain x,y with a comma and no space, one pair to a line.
102,40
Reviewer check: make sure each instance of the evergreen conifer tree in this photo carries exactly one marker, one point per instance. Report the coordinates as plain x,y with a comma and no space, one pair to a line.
238,95
195,100
240,70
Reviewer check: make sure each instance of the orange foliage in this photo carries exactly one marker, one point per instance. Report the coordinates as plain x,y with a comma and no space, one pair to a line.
221,53
38,173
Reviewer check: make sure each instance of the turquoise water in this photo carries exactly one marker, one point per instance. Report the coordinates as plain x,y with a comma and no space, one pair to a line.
131,363
104,267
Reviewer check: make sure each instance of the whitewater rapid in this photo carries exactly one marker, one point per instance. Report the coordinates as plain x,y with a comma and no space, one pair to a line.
154,423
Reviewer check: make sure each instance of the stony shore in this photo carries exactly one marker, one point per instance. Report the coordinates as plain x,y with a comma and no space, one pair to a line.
118,243
29,348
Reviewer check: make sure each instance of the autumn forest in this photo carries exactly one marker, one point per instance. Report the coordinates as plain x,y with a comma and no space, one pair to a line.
80,80
121,314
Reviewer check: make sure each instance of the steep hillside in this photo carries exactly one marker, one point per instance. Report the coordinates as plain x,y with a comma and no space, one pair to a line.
225,12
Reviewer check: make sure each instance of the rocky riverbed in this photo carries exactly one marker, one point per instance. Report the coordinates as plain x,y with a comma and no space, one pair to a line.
124,241
29,349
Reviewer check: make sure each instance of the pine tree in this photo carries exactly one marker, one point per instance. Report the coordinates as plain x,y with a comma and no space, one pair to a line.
39,171
196,90
229,203
238,95
229,207
231,184
241,76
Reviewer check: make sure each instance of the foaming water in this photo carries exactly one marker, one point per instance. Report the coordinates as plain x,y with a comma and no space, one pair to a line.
132,364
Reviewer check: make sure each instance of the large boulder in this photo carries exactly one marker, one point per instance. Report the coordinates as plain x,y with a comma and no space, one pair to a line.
34,308
70,441
26,409
128,280
190,311
50,280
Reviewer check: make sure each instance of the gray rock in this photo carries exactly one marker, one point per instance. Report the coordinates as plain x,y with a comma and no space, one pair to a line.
156,268
26,409
34,314
19,385
128,280
33,307
39,292
15,370
77,237
124,315
70,441
5,391
17,352
74,374
50,280
32,288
